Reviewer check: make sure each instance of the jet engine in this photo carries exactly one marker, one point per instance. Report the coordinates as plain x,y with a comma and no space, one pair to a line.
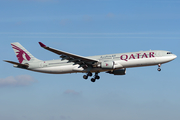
107,65
118,72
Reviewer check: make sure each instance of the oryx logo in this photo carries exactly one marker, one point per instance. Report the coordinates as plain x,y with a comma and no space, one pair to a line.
21,55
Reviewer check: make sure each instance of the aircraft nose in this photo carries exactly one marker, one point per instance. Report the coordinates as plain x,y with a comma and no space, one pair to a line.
174,56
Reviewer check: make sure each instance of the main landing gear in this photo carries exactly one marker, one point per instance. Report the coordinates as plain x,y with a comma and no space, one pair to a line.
88,74
159,69
96,76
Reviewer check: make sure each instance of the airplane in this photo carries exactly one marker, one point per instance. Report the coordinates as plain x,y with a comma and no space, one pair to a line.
115,64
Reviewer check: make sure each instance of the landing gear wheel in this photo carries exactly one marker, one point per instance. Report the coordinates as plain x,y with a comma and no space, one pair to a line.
89,74
85,76
93,80
159,69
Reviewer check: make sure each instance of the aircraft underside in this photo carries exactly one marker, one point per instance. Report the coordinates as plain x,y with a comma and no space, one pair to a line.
89,71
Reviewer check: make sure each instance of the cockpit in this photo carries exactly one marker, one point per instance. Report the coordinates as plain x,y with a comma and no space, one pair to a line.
169,52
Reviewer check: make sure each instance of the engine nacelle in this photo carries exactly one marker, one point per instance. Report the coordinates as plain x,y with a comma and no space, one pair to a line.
107,65
118,72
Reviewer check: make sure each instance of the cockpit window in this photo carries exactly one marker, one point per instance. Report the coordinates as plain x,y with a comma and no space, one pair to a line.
169,52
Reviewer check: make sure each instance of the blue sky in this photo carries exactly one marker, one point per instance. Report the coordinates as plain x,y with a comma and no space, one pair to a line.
87,28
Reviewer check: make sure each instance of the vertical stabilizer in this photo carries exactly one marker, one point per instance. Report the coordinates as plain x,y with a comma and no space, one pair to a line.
22,54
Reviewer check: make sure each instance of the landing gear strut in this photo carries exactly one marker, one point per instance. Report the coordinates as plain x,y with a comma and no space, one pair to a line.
96,76
159,69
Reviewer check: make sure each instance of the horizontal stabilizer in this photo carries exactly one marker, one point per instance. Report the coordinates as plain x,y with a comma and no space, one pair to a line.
18,64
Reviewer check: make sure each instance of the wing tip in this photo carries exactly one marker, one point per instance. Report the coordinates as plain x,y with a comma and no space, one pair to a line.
41,44
5,60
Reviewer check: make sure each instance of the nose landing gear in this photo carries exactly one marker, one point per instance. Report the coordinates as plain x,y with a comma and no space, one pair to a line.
159,69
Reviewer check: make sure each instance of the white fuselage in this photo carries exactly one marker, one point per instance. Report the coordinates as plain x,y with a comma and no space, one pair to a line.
119,61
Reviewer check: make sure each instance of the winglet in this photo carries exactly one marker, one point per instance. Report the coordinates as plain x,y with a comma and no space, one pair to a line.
41,44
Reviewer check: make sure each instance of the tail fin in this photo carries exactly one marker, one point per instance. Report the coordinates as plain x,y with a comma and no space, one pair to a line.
22,54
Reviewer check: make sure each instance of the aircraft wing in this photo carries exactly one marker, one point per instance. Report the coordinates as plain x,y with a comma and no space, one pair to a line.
69,56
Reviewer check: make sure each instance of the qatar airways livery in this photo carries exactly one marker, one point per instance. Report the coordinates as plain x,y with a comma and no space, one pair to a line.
70,63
